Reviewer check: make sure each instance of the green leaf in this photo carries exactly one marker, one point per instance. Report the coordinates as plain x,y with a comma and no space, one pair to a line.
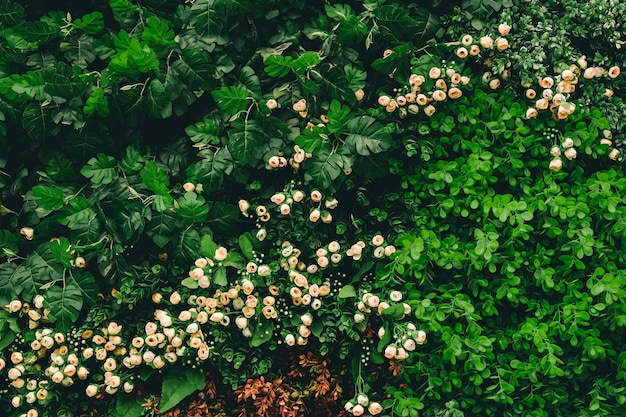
87,286
179,384
8,243
262,333
367,136
97,103
207,20
356,77
11,274
396,312
161,228
277,65
158,35
65,304
219,277
245,243
132,161
11,13
338,117
128,406
206,132
9,329
159,102
155,179
50,198
333,82
100,170
223,217
324,168
192,208
208,247
133,58
347,291
90,23
231,99
60,250
37,122
245,139
305,62
195,69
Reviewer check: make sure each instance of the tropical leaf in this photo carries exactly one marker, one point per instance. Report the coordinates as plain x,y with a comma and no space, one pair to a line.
324,168
65,304
158,99
179,383
101,169
10,275
11,13
37,122
50,198
97,103
86,284
132,161
206,132
245,140
162,226
192,208
367,136
231,99
195,69
333,82
211,169
158,35
305,62
90,23
277,65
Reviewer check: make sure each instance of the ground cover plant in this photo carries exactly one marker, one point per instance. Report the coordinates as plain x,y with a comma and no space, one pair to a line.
312,208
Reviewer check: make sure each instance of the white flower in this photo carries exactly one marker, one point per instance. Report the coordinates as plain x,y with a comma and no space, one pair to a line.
395,296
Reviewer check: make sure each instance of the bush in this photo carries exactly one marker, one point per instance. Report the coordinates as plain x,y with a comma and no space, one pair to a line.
301,208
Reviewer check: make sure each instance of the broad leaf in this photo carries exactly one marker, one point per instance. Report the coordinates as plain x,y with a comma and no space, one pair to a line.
101,169
61,251
90,23
65,304
158,35
11,13
333,82
195,69
207,131
192,208
231,99
37,122
50,198
245,139
278,66
367,136
179,383
324,168
86,284
158,99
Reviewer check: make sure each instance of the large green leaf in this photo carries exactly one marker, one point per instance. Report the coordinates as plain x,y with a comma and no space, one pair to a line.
179,384
333,82
11,13
155,179
231,99
90,23
192,208
206,132
50,198
245,139
86,284
158,35
65,304
162,227
10,275
101,169
37,122
195,69
159,102
278,66
206,19
367,135
324,168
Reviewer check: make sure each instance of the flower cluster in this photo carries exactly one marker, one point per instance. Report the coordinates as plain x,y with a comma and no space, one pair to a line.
445,84
361,405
